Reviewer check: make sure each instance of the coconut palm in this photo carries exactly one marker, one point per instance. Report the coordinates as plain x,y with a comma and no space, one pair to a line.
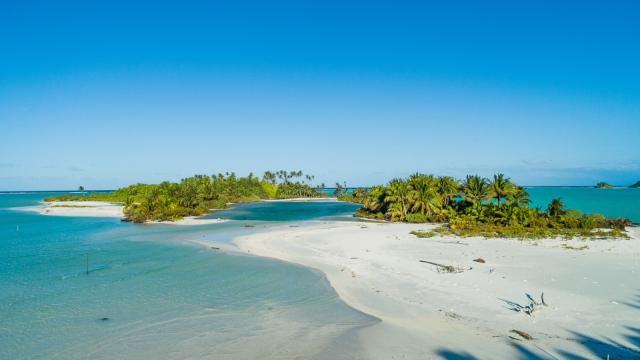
338,191
398,196
475,189
555,208
500,187
448,188
425,199
519,197
375,200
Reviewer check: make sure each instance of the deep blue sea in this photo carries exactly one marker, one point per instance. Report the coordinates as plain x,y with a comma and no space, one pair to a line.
153,292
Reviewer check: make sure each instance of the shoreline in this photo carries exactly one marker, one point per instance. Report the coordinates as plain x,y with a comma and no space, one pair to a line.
105,209
375,268
116,210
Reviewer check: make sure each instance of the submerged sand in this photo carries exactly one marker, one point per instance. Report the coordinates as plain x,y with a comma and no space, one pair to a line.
591,288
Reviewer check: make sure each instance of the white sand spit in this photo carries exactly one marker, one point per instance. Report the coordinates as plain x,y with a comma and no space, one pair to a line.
78,208
104,209
593,294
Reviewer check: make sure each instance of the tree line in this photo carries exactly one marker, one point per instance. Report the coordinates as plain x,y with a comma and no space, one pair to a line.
197,195
478,206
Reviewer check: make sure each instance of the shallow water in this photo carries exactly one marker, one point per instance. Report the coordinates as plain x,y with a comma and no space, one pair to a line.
153,291
150,293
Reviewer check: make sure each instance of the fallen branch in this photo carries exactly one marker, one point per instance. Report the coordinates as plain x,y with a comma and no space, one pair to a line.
522,334
530,308
445,268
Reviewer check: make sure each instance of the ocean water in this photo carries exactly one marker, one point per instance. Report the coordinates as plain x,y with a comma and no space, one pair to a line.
154,291
151,292
617,202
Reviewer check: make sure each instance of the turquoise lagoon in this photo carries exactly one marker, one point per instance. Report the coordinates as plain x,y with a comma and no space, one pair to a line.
154,291
151,292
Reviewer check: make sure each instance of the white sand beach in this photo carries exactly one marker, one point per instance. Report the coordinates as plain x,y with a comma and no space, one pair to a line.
591,289
104,209
190,220
78,208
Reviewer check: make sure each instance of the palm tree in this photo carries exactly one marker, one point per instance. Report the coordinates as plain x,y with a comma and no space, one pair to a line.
375,200
475,189
555,208
338,191
519,197
500,187
269,177
425,199
399,194
448,188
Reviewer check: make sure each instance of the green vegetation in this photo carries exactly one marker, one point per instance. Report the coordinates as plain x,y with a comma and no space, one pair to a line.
481,207
431,233
94,196
169,201
603,185
357,196
636,185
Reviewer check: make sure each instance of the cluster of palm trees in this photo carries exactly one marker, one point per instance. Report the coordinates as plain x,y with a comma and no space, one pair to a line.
290,184
434,198
287,177
477,205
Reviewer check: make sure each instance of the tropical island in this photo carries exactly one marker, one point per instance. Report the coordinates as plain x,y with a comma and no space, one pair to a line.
198,195
636,185
604,185
478,206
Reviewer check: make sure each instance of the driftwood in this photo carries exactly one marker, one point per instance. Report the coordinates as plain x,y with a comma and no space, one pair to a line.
530,308
522,334
453,242
445,268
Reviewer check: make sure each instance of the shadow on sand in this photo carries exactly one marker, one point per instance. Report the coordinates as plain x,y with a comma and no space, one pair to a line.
604,348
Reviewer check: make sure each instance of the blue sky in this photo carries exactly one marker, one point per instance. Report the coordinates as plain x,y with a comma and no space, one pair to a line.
106,94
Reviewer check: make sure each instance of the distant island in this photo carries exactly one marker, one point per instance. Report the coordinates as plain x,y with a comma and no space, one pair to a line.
604,185
636,185
200,194
478,206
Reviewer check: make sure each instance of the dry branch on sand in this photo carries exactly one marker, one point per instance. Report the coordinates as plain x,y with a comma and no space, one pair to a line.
530,308
444,268
522,334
